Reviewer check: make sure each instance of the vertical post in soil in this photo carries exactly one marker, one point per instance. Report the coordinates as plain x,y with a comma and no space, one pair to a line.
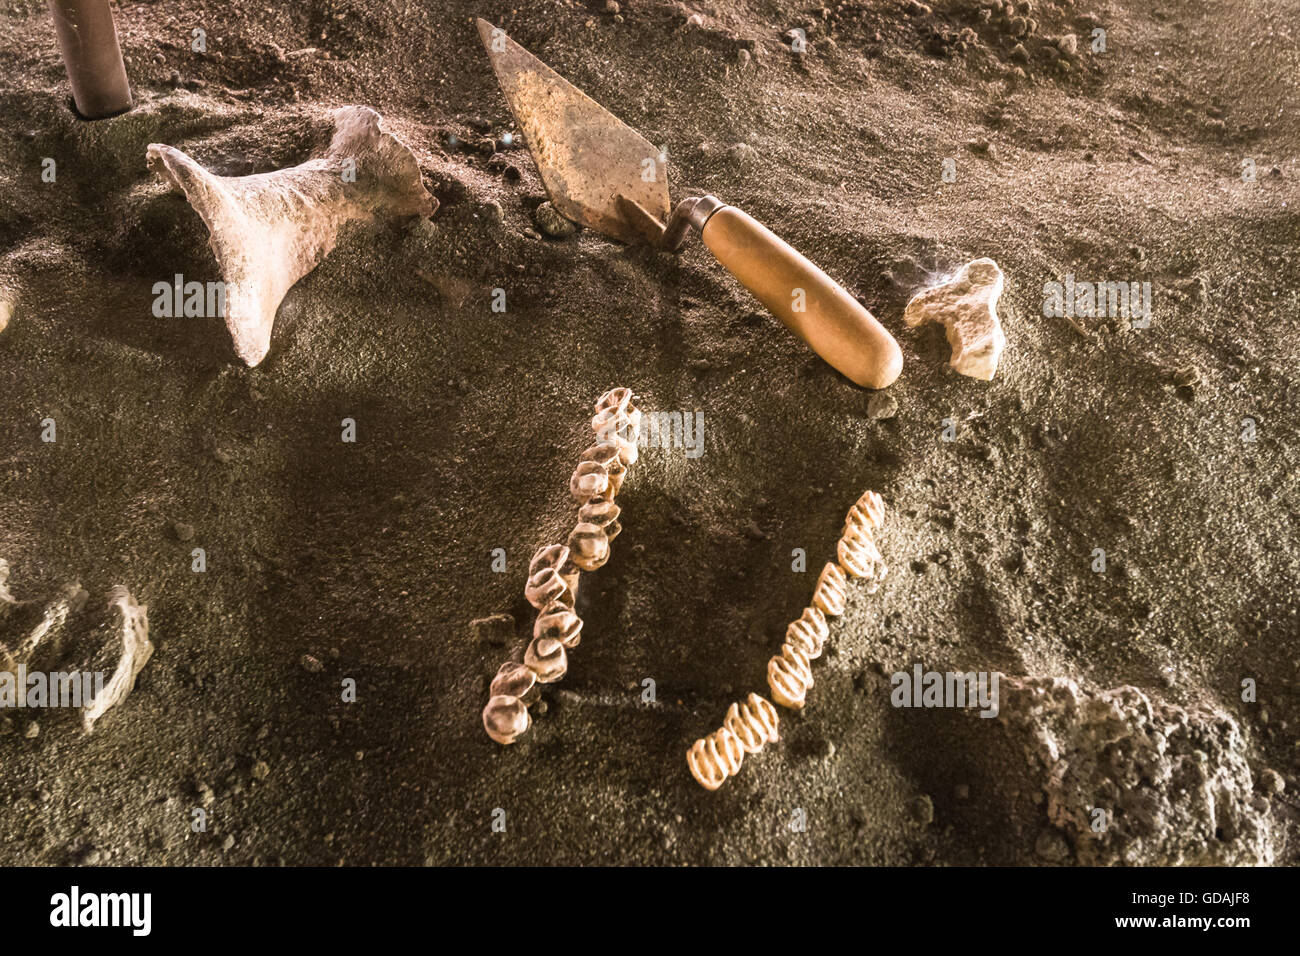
88,41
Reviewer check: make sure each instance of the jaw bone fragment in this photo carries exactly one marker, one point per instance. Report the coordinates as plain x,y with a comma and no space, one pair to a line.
967,307
269,230
136,651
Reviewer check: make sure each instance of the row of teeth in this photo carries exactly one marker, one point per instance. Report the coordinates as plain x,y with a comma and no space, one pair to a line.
747,727
555,569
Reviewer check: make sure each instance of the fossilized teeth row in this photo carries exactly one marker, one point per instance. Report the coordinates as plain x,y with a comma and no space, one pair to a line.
745,729
788,673
554,571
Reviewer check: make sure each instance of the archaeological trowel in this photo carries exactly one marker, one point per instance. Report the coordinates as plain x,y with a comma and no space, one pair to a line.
601,173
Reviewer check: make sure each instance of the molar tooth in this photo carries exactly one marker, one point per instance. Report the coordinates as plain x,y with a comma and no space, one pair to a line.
559,623
545,657
754,723
604,514
858,554
515,680
546,585
789,677
831,591
505,718
589,546
714,758
590,480
809,633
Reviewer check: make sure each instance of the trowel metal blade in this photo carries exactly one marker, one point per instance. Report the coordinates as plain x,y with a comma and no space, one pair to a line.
586,156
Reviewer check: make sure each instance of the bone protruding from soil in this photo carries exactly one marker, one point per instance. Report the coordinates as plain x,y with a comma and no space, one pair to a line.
269,230
136,651
71,598
966,305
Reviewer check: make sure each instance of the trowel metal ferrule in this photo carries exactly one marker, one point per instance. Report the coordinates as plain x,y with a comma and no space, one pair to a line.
693,212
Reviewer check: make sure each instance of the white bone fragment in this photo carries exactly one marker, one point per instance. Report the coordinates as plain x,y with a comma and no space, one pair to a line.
966,306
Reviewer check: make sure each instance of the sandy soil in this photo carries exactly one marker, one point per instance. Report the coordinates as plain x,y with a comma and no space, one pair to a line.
373,557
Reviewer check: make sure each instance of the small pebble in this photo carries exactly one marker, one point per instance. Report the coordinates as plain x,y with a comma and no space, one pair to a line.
742,154
495,629
550,221
311,664
1051,846
182,531
1271,782
881,406
923,809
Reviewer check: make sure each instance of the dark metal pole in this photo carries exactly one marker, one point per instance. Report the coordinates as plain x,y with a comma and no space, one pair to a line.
88,40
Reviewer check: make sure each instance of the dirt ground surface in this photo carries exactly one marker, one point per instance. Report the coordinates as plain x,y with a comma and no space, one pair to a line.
329,561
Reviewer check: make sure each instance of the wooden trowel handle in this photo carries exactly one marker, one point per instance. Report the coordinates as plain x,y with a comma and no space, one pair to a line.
806,299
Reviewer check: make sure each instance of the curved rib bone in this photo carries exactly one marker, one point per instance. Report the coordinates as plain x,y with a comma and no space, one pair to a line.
269,230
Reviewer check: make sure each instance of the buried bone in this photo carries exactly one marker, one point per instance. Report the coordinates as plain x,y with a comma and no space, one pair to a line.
269,230
750,725
858,554
136,651
618,420
966,306
39,629
867,513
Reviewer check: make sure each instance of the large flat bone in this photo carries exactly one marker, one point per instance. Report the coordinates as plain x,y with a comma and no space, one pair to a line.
269,230
966,306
